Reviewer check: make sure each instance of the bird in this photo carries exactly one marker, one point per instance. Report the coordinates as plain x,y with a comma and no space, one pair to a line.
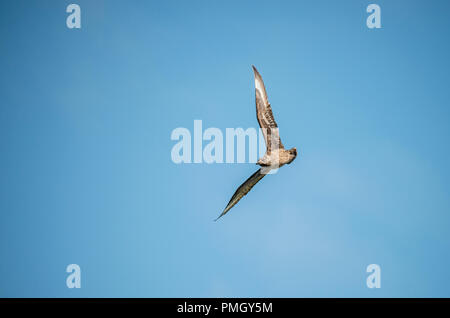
276,155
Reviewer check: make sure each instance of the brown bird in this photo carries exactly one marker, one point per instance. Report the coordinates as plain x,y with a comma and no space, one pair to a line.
276,156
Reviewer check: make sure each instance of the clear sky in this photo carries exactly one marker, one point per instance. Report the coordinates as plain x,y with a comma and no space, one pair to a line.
87,177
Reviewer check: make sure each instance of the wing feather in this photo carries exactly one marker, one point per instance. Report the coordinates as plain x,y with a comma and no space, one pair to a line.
264,115
243,190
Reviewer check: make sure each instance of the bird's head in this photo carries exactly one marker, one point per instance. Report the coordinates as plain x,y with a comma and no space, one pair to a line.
293,154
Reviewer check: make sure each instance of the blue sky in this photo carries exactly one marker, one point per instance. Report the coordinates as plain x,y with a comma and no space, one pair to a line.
87,177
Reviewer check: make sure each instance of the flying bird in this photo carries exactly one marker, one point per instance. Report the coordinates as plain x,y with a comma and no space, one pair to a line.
276,156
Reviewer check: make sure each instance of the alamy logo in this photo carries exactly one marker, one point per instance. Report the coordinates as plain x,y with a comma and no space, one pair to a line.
213,151
374,279
73,21
74,279
374,19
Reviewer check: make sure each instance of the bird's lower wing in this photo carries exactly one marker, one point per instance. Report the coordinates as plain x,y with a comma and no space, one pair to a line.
243,190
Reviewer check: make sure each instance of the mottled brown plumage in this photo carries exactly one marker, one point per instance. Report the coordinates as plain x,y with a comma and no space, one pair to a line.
276,156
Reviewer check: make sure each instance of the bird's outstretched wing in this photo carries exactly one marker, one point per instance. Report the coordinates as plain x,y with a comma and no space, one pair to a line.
243,190
265,116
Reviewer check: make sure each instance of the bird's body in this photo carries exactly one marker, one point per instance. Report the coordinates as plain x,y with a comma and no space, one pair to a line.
276,156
